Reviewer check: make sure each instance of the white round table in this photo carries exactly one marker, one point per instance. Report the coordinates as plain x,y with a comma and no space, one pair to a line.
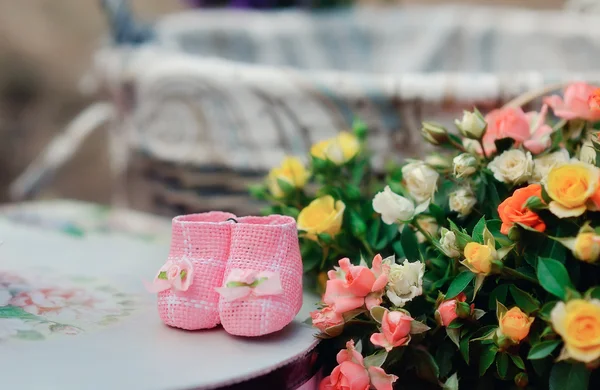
74,313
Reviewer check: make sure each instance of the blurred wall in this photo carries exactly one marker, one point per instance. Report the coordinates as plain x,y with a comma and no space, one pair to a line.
45,47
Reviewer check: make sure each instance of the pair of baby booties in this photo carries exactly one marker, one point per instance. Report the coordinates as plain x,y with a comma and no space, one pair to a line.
244,273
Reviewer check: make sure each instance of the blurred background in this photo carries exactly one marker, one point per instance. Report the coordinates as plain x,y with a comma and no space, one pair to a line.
46,46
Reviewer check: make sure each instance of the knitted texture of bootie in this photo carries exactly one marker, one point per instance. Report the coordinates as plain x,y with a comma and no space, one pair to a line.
186,284
262,288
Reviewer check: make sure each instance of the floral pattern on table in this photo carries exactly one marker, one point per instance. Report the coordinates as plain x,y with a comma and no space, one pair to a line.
36,306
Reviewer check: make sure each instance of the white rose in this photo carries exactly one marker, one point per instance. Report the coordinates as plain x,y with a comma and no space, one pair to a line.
448,243
405,282
464,165
438,161
513,166
587,153
543,165
462,201
428,224
420,180
472,125
393,207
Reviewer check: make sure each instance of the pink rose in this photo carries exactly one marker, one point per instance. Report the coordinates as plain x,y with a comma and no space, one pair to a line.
173,272
326,318
504,123
380,380
539,140
347,376
575,103
447,312
358,286
351,373
395,330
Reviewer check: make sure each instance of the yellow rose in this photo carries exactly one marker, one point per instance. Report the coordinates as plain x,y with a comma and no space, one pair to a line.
578,323
571,186
515,324
291,171
322,215
338,150
478,258
587,247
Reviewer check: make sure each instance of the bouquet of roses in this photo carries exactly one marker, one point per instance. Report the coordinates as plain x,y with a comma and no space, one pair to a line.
477,266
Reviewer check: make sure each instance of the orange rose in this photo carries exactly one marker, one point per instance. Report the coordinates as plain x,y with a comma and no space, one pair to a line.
515,324
512,210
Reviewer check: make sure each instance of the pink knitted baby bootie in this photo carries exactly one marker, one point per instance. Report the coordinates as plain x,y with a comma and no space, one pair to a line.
186,283
262,289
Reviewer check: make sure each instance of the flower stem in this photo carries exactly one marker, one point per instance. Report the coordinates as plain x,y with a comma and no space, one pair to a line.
483,150
325,255
514,273
367,247
457,145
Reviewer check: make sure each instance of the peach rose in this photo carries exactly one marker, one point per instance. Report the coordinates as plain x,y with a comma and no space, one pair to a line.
575,103
395,330
359,285
326,318
515,324
512,210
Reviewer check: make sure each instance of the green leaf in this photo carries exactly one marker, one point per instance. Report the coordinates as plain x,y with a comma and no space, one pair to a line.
553,277
286,186
426,366
464,347
460,282
357,225
454,335
524,300
444,356
376,360
565,376
544,313
455,324
478,231
484,333
543,349
311,256
162,275
502,365
373,233
494,199
451,383
593,292
487,357
410,245
518,361
498,294
438,213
